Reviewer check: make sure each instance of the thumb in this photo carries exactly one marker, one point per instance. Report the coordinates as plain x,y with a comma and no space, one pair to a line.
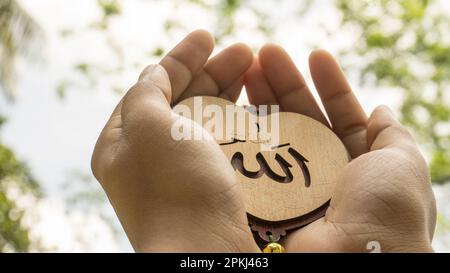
384,131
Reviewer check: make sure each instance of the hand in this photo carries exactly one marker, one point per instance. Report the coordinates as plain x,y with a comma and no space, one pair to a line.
384,194
175,196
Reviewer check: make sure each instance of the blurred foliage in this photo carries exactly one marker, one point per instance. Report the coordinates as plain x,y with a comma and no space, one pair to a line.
109,9
405,44
13,175
225,12
18,33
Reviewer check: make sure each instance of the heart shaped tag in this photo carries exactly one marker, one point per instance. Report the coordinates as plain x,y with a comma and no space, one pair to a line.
287,163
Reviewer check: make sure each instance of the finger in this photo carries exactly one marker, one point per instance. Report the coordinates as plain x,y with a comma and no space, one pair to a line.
258,89
222,75
153,73
233,91
385,131
287,83
186,60
346,115
153,88
149,97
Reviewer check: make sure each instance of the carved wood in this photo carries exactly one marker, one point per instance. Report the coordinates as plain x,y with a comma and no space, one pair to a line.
290,185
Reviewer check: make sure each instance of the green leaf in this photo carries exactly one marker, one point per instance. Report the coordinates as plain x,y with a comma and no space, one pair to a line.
109,7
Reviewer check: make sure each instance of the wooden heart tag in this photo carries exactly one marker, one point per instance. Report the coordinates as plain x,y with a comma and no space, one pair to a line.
287,180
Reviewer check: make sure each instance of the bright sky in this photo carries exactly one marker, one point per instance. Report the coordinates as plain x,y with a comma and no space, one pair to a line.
57,137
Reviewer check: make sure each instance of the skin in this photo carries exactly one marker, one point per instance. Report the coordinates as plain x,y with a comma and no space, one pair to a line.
183,196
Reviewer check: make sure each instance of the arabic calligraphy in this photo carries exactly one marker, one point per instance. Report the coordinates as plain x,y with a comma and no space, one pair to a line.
237,161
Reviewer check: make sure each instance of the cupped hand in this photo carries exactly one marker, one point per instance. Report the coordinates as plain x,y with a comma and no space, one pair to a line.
175,196
384,194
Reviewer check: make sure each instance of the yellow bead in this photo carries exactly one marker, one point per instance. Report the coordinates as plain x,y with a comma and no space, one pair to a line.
274,248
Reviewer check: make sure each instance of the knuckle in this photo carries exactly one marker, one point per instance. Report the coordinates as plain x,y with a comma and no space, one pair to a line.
138,106
398,130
